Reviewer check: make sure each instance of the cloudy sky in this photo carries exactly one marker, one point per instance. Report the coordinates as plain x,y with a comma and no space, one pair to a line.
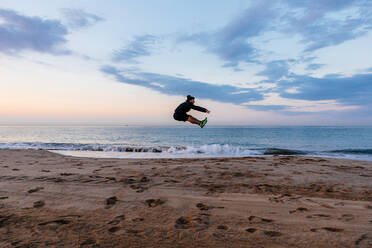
264,62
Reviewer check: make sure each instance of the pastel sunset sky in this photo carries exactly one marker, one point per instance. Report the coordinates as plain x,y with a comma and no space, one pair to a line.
264,62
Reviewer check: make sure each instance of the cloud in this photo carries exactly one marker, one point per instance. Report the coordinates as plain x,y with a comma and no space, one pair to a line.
327,23
313,10
77,18
19,33
171,85
353,90
317,23
231,43
312,67
141,46
306,94
292,94
270,107
332,32
273,101
275,70
334,75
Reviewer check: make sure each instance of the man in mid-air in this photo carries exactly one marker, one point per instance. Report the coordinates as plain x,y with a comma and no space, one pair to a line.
180,114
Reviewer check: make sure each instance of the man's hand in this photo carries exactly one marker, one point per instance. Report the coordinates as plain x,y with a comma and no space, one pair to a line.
208,112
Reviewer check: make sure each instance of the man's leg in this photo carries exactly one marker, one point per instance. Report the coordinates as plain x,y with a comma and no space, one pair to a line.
193,120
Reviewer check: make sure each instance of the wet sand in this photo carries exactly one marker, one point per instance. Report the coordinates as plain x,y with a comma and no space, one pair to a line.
51,200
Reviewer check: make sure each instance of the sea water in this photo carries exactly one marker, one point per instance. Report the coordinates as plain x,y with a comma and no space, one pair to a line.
191,141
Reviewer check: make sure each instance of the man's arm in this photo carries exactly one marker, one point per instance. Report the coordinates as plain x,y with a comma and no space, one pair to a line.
201,109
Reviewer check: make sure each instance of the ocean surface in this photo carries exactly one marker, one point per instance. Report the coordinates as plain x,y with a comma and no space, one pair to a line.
191,141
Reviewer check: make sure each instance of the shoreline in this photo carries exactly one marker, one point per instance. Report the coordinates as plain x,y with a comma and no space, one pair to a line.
124,155
166,155
270,201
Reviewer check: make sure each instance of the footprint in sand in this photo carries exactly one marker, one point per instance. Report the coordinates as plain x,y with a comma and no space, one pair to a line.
300,209
272,233
138,188
202,221
144,180
183,223
202,206
346,217
328,229
117,220
39,204
113,229
111,201
66,174
256,219
129,180
34,190
5,220
318,216
332,229
58,222
363,239
58,180
153,203
222,227
251,230
138,219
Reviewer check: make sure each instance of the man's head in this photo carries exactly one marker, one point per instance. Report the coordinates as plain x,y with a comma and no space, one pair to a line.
190,99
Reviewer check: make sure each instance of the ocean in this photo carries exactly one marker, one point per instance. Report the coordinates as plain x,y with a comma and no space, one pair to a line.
191,141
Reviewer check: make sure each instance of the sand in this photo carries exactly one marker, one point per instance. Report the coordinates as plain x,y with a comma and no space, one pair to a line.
51,200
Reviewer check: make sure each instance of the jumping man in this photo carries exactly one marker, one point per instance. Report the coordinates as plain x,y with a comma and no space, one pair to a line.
180,114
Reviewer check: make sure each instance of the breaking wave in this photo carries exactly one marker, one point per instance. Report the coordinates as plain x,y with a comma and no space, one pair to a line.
213,149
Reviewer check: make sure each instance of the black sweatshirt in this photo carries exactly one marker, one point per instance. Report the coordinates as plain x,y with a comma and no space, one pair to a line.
186,106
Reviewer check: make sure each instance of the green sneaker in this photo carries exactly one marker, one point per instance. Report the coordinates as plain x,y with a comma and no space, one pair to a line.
203,122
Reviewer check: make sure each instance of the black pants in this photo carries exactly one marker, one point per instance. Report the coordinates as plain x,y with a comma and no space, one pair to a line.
180,116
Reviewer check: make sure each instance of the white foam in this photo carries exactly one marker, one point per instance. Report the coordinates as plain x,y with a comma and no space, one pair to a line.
206,151
129,151
214,149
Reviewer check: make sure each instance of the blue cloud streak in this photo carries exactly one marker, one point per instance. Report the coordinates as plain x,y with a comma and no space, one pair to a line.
139,47
231,43
275,70
354,90
307,19
19,33
180,86
77,18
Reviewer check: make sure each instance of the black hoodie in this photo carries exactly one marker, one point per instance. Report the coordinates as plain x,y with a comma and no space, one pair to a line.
185,107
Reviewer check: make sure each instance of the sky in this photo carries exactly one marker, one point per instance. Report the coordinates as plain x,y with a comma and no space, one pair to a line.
264,62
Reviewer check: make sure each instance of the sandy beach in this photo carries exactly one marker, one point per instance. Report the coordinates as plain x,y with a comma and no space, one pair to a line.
51,200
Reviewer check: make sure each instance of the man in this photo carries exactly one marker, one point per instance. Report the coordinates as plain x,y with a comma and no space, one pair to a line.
183,108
